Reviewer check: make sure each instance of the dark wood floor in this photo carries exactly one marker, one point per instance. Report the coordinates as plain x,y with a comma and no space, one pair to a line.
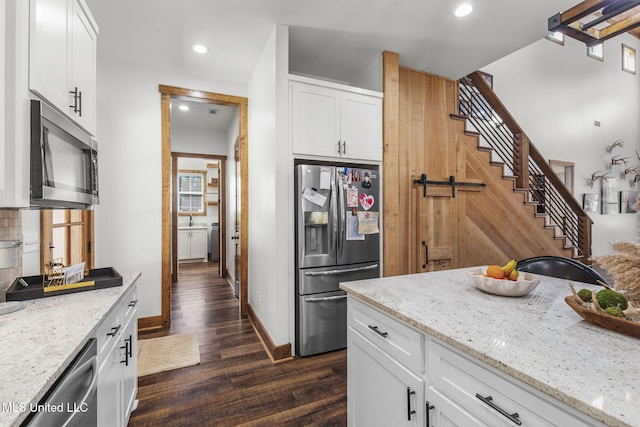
235,383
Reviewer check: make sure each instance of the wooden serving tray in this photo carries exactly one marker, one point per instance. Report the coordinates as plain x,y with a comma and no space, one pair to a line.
98,278
604,320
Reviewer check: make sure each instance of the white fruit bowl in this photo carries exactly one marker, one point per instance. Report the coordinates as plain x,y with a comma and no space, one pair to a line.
510,288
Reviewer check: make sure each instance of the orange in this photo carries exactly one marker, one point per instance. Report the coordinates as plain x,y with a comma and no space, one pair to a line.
495,271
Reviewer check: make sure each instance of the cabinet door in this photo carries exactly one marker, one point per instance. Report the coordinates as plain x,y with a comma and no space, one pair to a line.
83,68
184,244
361,126
315,119
444,413
199,246
48,54
110,390
380,391
130,367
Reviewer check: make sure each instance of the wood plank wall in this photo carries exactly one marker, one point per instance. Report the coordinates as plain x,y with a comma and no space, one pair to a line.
480,225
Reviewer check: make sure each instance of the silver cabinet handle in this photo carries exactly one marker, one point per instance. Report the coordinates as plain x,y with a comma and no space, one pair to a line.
346,270
337,297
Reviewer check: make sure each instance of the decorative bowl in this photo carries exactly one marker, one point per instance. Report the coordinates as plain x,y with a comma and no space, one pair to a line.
604,320
505,287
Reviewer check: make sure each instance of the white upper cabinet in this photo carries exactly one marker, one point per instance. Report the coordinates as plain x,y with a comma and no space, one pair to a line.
331,120
62,55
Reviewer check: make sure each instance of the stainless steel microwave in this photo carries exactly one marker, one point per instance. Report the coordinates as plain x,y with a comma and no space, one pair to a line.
64,161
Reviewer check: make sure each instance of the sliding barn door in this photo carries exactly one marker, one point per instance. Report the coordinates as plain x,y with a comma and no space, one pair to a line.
431,150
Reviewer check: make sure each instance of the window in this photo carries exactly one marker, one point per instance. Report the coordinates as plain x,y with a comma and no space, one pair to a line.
66,235
191,192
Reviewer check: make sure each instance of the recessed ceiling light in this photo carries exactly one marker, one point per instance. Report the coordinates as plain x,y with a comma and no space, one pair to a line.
183,107
200,48
463,10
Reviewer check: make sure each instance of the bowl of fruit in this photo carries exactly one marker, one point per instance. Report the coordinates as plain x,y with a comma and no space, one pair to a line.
504,280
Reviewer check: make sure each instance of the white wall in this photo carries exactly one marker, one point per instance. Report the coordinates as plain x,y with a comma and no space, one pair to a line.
556,93
128,219
270,275
198,140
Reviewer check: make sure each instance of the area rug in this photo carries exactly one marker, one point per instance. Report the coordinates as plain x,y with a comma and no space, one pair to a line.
167,353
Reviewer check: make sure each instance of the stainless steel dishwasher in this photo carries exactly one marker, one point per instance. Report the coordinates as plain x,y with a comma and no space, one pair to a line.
72,401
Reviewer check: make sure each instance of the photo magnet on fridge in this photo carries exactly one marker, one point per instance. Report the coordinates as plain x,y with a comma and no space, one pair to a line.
366,180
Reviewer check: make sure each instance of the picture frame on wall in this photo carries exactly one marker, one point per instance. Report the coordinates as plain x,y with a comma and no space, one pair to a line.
596,51
610,203
628,59
627,200
591,202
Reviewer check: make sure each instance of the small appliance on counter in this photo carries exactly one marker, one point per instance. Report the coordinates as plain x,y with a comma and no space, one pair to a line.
9,253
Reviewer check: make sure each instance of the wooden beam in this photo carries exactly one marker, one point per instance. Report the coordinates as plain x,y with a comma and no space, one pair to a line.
390,121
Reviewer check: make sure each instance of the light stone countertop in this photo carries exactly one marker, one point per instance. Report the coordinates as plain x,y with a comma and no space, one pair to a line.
40,340
537,338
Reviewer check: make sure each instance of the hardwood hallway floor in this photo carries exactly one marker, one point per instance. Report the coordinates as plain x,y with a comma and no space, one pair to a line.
235,383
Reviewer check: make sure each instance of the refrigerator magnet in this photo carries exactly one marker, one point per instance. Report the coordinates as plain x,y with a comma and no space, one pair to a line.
368,223
366,180
352,197
313,196
325,178
352,229
366,201
355,175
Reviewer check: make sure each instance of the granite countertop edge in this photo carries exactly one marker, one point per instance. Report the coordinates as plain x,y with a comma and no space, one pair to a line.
39,383
506,368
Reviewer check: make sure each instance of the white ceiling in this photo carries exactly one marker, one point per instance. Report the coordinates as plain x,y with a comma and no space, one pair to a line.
200,115
333,39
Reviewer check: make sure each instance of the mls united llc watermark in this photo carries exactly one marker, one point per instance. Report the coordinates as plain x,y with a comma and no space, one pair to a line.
67,407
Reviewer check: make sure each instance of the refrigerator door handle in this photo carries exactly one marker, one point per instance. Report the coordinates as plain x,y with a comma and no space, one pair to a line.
334,217
322,299
341,216
345,270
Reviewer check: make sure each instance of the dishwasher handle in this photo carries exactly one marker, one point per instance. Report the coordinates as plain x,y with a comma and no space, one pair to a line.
92,366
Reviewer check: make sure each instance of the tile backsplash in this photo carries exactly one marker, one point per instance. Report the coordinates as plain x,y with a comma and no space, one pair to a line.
10,229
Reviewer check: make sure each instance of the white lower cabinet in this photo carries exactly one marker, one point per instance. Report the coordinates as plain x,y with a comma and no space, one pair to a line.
192,244
382,389
381,392
117,338
450,388
443,412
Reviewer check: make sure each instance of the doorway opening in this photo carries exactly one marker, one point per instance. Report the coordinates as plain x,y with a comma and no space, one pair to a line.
198,199
170,217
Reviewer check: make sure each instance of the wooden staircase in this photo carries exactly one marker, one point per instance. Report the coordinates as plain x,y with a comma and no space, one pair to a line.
498,138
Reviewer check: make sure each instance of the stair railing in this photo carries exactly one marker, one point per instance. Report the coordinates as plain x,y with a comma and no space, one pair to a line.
497,128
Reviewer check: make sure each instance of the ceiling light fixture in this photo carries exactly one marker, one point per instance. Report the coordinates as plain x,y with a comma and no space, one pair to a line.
463,10
200,48
183,107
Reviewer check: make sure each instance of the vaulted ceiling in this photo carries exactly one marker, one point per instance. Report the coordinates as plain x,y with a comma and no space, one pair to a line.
335,39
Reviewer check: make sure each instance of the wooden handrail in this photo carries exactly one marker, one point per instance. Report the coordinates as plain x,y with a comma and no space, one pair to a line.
523,150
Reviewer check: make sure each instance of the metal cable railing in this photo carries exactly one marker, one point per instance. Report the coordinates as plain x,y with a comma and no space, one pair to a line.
486,116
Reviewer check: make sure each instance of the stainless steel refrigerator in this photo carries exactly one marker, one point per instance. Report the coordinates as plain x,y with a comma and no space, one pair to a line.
337,240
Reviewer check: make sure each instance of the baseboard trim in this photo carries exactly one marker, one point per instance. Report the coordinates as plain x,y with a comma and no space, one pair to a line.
278,353
146,324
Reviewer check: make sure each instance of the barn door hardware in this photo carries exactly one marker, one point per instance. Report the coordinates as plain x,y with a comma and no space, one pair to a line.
452,182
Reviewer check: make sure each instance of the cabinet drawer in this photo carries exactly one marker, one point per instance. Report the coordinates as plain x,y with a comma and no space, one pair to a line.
108,332
130,304
466,381
400,341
